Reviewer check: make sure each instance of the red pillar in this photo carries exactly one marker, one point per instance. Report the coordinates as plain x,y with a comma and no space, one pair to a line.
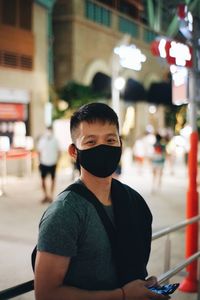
190,283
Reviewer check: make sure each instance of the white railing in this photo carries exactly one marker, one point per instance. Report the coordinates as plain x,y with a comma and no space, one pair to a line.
169,273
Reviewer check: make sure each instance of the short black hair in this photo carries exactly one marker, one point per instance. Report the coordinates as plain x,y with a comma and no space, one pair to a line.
93,112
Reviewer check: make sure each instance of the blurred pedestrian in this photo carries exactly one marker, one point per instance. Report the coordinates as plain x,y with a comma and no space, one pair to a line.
171,154
49,153
158,160
139,153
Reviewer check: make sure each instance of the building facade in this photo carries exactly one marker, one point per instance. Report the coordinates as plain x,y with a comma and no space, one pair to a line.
85,35
23,66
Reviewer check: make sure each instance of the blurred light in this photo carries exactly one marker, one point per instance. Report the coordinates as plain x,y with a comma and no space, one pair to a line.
180,76
173,68
119,83
179,86
62,105
130,57
186,131
150,128
29,143
190,17
181,53
48,114
19,129
161,48
179,141
152,109
129,120
19,141
3,127
4,143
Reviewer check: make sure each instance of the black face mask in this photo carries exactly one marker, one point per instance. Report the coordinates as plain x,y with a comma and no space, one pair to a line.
100,161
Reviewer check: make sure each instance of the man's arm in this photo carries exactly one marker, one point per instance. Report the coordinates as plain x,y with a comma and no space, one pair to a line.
50,270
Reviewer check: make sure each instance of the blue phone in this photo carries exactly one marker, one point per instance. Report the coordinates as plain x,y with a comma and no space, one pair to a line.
165,289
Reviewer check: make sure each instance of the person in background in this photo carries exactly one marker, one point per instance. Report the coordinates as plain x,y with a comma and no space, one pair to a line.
171,154
158,160
139,153
49,153
76,259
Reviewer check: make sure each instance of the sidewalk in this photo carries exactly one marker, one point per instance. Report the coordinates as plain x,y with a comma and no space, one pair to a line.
20,212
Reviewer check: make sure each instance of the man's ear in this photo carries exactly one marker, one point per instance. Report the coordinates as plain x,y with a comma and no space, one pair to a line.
121,141
72,151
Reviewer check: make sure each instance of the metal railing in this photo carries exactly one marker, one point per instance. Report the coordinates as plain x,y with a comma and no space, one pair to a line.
166,231
29,285
17,290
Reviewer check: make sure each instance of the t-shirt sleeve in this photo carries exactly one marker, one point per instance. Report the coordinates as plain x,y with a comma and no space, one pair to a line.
59,229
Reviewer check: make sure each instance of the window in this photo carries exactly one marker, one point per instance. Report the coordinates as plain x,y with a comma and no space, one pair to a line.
17,13
25,14
98,13
15,60
26,62
9,8
10,59
128,26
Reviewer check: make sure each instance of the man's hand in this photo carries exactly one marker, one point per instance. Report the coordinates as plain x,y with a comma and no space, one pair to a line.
138,290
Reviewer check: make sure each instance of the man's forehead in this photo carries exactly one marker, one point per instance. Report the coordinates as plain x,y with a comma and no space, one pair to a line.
96,128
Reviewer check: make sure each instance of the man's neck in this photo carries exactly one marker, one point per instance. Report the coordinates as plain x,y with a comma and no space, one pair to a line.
100,187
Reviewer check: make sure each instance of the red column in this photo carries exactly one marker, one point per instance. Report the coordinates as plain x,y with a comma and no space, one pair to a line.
190,283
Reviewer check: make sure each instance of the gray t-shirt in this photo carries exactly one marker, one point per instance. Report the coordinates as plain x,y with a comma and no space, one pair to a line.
71,227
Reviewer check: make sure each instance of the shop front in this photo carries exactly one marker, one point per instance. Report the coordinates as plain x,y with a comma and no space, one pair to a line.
14,115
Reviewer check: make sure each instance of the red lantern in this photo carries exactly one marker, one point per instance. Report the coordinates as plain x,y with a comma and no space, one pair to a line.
154,48
182,11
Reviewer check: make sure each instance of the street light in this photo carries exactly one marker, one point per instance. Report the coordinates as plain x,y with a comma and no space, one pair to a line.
124,56
119,83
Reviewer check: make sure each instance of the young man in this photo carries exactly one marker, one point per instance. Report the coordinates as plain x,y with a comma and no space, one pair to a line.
49,153
76,259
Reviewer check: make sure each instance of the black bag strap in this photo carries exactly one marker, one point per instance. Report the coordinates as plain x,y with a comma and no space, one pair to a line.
81,190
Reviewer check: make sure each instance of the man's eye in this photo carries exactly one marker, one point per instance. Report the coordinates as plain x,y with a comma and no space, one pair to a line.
112,141
90,142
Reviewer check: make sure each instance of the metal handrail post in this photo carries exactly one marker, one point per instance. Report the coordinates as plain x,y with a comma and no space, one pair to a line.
167,256
3,173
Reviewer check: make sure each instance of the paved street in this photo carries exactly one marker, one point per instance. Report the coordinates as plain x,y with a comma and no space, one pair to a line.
20,212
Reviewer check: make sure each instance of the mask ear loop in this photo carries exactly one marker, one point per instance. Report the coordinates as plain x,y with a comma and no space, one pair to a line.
120,140
77,164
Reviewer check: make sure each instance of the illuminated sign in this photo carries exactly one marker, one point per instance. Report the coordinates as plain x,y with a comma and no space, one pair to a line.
179,85
13,111
174,52
130,57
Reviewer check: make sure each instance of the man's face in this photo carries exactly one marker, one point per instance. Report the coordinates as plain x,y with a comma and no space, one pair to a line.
90,135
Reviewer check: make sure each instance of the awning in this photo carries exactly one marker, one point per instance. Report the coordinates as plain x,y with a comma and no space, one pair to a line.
134,91
101,83
160,93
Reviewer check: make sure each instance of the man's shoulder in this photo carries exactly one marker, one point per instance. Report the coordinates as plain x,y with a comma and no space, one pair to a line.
71,200
67,206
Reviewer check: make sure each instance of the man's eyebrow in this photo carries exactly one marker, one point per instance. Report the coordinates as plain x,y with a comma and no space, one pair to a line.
112,134
89,136
94,136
